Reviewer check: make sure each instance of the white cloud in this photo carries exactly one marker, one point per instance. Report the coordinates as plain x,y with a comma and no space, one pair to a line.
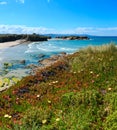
22,29
3,3
95,30
21,1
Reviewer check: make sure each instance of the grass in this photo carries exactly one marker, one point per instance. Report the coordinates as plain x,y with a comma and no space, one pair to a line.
78,93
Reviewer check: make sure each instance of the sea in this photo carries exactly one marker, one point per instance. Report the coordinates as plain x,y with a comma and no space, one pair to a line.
32,52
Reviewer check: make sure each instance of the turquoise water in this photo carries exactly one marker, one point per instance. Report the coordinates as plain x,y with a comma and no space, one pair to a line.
30,52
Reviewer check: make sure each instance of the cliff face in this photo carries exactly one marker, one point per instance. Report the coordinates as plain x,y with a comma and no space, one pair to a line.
74,37
29,37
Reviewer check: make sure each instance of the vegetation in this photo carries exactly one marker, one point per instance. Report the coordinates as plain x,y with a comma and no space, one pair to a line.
78,93
27,37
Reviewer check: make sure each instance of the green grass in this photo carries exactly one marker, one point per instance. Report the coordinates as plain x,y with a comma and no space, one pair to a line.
77,93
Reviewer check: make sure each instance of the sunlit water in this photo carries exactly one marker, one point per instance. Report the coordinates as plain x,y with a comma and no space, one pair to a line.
30,52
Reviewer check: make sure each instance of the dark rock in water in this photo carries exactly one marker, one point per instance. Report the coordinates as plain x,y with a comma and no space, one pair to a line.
41,55
73,37
22,61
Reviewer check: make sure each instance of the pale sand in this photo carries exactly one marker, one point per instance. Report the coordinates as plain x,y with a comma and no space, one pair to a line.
11,44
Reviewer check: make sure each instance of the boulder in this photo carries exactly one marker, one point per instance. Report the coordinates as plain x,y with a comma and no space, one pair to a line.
41,55
22,61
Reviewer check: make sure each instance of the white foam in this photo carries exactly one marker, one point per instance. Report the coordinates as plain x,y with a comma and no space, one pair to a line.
50,46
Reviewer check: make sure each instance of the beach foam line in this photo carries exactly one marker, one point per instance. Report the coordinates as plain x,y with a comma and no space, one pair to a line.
11,44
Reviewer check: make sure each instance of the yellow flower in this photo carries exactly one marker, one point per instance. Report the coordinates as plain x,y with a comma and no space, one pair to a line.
55,82
109,89
7,116
49,101
91,72
57,119
44,121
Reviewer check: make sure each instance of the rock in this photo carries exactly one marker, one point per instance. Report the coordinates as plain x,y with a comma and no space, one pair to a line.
41,55
63,53
51,60
22,61
31,66
54,57
46,62
73,37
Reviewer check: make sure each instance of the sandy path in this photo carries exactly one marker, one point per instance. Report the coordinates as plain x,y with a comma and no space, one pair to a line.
10,44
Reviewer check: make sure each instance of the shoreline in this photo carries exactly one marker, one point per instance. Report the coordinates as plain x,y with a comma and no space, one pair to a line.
45,63
4,45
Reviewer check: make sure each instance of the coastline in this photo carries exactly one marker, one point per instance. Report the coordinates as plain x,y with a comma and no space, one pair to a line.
4,45
45,63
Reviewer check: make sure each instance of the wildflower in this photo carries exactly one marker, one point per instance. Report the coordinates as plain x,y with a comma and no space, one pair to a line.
50,84
7,116
38,96
91,72
44,121
57,119
109,89
97,75
74,72
49,101
55,82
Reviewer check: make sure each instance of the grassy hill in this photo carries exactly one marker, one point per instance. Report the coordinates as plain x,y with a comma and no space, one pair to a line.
76,93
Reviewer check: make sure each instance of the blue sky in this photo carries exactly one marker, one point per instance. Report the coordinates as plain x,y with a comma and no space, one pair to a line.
95,17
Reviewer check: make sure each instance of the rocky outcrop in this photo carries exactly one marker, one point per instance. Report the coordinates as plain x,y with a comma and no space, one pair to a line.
52,60
73,37
27,37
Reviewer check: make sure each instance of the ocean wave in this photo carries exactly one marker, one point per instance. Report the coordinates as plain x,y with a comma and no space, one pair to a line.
48,47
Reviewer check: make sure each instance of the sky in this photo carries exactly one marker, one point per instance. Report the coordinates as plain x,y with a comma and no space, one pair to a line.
93,17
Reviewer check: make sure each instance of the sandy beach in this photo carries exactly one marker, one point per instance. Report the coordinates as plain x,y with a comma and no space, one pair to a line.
11,44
